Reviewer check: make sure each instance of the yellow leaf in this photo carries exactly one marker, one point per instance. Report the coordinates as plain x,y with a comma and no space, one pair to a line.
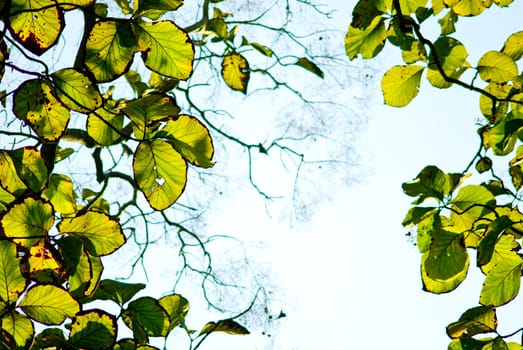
235,72
400,84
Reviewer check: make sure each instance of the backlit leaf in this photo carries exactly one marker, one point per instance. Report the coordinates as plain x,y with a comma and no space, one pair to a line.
480,319
76,91
49,304
49,337
235,71
119,292
468,7
307,64
93,329
9,179
109,50
453,59
20,327
60,193
431,182
177,308
38,30
439,286
28,221
191,139
148,313
12,283
400,84
30,167
154,9
448,255
490,237
36,103
100,131
502,282
228,326
497,67
514,46
410,6
43,265
166,48
160,173
368,42
100,233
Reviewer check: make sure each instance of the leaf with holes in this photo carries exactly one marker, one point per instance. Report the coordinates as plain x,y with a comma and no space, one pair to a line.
191,139
49,304
166,48
100,233
76,90
36,24
35,102
160,173
28,221
235,72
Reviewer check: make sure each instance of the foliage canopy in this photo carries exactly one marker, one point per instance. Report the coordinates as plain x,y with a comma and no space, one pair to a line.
460,218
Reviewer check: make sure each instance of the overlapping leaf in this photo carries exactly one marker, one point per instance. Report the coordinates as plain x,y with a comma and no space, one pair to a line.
103,126
93,329
61,194
12,282
176,307
368,42
19,327
76,90
154,9
43,264
30,166
9,179
147,315
100,233
49,304
481,319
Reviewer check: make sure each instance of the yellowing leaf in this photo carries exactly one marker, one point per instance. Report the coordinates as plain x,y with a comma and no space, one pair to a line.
76,91
474,321
19,327
100,233
43,266
468,7
28,221
400,84
93,329
452,55
36,103
235,72
49,304
60,193
367,42
228,326
109,50
12,282
37,30
191,139
154,9
98,126
9,179
497,67
439,286
502,282
160,173
166,48
514,46
177,308
31,167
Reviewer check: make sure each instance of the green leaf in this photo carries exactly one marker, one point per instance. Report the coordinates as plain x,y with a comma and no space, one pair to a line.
49,304
191,139
154,9
453,59
93,329
448,22
368,42
61,194
468,344
431,182
76,90
497,344
147,111
100,233
28,221
166,48
118,292
417,214
12,283
228,326
514,46
98,126
502,136
235,72
439,286
483,164
364,12
176,307
35,102
447,256
474,200
9,179
31,167
264,50
425,231
400,84
218,27
110,49
410,6
502,282
147,313
49,337
497,67
307,64
477,320
160,173
490,237
19,327
36,24
162,84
